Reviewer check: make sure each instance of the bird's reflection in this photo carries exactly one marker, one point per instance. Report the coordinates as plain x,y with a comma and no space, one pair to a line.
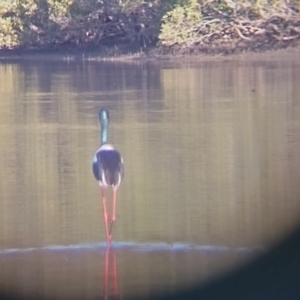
110,275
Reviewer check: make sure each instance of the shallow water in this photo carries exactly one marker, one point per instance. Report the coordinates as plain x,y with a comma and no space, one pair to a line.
211,173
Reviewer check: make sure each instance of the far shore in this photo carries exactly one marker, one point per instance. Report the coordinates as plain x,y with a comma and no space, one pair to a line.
109,54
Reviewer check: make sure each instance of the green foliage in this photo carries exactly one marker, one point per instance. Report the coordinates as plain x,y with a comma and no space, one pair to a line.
54,22
10,23
8,36
21,21
127,5
178,24
59,8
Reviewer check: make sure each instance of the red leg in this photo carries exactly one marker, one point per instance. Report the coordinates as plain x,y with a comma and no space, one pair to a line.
114,205
105,214
114,210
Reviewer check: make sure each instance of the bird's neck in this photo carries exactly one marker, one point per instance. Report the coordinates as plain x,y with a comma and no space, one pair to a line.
104,131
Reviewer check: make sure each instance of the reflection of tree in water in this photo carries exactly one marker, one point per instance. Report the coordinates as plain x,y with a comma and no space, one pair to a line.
110,276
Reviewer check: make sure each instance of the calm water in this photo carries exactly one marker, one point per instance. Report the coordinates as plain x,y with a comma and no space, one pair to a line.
212,168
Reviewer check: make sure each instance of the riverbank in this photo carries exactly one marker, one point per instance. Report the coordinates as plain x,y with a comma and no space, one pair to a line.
115,54
147,30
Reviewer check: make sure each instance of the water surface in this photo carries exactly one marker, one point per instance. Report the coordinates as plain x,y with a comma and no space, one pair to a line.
211,172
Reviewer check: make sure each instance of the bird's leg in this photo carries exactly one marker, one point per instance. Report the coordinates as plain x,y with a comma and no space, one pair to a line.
114,192
105,214
114,205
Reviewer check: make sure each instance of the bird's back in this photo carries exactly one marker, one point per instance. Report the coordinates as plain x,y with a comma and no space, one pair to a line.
108,166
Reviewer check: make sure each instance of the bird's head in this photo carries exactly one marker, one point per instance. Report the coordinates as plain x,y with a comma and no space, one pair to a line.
103,117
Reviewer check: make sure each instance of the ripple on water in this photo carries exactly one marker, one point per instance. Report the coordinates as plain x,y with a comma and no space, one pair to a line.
133,246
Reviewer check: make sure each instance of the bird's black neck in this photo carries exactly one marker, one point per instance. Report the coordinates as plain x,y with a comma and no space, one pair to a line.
104,132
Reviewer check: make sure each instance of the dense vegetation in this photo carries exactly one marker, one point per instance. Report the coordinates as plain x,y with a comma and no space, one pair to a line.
168,26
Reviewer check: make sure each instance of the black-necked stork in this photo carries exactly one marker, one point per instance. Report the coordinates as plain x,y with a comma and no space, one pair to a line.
108,170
